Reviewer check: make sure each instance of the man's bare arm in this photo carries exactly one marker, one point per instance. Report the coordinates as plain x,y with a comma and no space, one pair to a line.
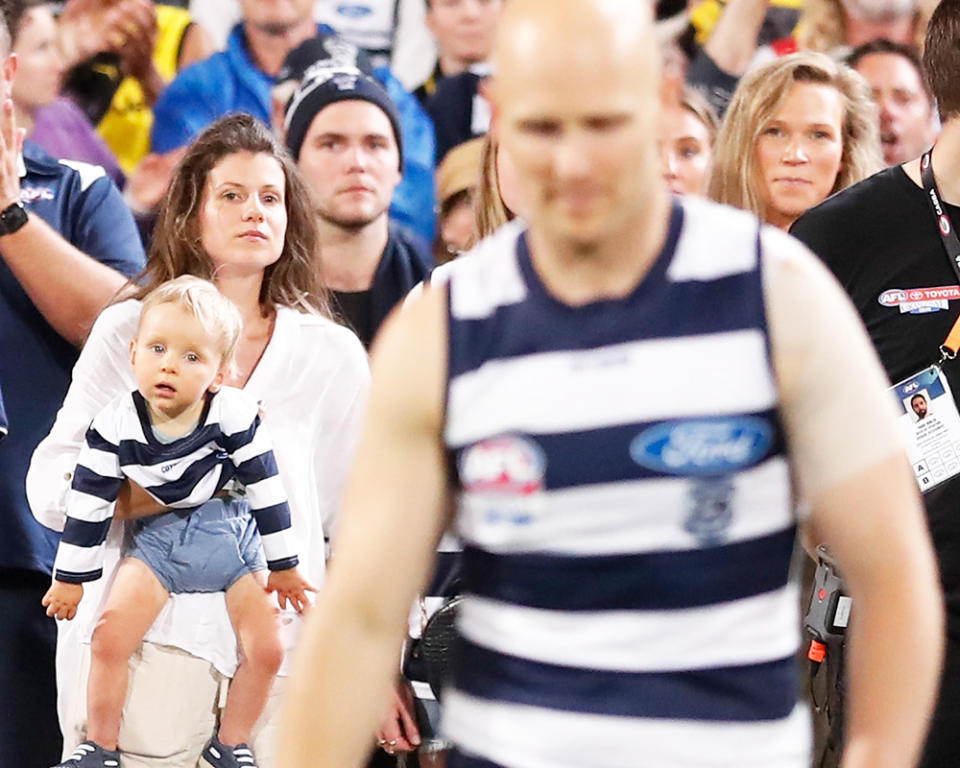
865,506
733,42
392,517
68,287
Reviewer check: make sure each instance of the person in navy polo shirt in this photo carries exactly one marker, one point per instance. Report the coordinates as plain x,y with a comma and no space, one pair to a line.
67,244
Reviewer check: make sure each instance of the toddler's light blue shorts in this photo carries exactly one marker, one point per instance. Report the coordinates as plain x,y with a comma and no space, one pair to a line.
205,549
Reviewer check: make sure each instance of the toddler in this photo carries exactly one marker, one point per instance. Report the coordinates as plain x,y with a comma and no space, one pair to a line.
182,436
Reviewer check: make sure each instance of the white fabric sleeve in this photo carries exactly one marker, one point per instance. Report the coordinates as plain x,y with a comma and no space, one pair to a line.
90,504
256,468
839,416
336,438
102,373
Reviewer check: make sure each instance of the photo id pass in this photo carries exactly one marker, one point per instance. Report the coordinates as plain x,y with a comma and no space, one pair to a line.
930,426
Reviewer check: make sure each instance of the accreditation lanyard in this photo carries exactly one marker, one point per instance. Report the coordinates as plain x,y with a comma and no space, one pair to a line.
951,244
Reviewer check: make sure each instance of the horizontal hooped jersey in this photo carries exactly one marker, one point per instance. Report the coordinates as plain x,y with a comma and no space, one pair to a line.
228,444
626,514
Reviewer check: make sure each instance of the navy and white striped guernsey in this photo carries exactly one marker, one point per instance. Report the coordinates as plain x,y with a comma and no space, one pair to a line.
227,444
626,513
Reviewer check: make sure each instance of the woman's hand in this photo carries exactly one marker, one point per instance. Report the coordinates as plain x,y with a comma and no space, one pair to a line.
62,599
133,502
398,730
290,586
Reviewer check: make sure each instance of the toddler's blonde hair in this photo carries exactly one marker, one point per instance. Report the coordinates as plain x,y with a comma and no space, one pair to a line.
218,315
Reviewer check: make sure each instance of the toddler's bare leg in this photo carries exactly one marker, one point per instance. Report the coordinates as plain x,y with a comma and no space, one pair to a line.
136,597
254,619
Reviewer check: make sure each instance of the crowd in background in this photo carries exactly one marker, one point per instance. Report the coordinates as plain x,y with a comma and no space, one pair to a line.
774,106
112,84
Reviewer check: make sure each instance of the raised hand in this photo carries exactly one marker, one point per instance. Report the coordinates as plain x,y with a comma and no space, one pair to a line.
11,145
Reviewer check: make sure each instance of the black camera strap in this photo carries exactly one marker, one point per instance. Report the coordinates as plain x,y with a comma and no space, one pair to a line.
951,244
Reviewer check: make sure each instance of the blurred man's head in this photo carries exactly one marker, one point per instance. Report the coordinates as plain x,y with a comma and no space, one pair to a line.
10,13
575,99
276,17
878,11
39,63
905,105
464,30
941,58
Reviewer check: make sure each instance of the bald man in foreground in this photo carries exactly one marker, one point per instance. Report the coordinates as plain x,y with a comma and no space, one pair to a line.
624,400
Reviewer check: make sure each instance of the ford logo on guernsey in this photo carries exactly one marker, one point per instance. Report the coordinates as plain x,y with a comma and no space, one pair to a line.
509,465
354,11
703,447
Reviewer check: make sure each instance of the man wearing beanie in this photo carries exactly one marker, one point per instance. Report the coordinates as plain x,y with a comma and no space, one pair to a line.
344,132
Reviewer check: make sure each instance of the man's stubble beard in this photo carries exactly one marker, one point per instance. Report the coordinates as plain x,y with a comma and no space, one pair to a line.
350,224
276,28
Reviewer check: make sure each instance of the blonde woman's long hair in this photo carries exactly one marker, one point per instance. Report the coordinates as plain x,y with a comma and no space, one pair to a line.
735,178
489,211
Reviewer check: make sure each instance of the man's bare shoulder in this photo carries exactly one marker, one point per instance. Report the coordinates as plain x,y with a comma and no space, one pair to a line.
409,360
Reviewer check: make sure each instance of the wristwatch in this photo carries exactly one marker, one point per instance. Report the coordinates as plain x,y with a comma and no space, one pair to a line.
12,218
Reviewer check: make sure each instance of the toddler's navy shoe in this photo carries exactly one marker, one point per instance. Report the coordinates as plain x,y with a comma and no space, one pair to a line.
218,755
91,755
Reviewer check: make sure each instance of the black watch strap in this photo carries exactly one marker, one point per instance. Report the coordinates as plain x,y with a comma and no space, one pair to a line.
12,218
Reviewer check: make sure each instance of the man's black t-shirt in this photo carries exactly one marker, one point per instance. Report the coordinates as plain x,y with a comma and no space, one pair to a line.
880,239
353,309
406,260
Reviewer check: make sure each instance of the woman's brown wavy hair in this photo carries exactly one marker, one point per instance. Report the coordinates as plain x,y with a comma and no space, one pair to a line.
293,280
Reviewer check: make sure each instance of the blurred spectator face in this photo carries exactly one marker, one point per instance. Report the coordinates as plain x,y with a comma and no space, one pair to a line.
457,180
457,230
799,151
39,67
243,217
879,10
276,15
686,151
464,29
906,112
350,161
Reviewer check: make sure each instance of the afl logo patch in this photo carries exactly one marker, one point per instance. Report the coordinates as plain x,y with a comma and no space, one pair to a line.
703,446
508,465
944,224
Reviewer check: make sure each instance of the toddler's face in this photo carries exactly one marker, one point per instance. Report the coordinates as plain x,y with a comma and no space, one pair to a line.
175,360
